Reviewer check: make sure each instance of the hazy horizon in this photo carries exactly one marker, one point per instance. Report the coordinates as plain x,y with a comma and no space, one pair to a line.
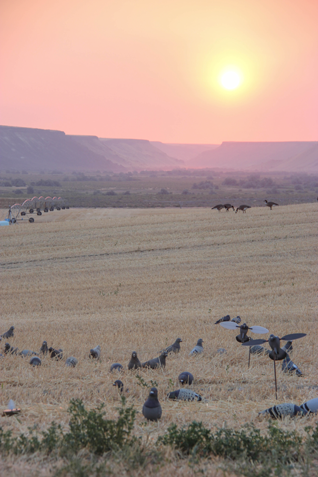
151,70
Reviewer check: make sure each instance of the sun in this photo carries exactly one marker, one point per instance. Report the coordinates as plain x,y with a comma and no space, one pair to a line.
230,79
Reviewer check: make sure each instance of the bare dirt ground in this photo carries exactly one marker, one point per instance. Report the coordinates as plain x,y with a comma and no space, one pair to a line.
138,279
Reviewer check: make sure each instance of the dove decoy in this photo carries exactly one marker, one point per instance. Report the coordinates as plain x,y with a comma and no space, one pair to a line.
228,207
44,348
257,349
120,385
310,407
270,204
221,320
27,352
198,348
134,362
152,409
289,367
71,362
288,347
184,395
218,207
243,208
242,337
282,410
237,320
8,334
185,378
55,353
116,367
35,361
175,347
10,349
221,351
277,353
94,353
156,362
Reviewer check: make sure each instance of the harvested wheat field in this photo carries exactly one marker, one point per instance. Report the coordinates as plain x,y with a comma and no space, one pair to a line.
137,280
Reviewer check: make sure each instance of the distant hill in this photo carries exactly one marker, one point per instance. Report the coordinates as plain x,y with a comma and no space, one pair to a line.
41,149
46,150
142,154
260,156
184,152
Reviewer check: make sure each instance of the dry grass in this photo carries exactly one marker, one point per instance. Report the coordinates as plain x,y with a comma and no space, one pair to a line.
138,279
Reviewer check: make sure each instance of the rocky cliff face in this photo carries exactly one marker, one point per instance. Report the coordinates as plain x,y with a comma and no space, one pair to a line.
39,149
262,156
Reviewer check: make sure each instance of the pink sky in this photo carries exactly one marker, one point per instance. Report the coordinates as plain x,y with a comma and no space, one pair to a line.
149,69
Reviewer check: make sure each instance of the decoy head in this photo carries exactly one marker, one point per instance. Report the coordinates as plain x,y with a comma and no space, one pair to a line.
7,347
178,340
134,354
200,341
153,393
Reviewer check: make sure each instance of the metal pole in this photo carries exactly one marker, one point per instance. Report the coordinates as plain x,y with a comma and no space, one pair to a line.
249,356
275,378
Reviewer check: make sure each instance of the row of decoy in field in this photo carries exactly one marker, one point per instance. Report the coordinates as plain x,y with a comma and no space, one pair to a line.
242,208
152,409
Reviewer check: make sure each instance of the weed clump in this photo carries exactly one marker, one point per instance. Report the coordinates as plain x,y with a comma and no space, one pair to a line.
87,430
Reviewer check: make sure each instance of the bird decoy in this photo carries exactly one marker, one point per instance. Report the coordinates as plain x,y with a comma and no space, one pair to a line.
228,207
174,348
120,385
152,409
198,348
185,378
94,353
56,353
243,208
219,207
184,395
310,407
221,320
282,410
289,367
71,362
270,204
11,409
221,351
10,349
257,349
237,320
288,347
8,334
35,361
27,352
44,349
242,337
116,367
134,363
156,362
277,353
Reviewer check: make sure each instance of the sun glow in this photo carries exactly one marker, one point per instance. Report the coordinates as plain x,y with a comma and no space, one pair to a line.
230,79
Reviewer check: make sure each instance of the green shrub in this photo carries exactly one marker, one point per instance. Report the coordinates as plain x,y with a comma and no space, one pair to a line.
88,429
